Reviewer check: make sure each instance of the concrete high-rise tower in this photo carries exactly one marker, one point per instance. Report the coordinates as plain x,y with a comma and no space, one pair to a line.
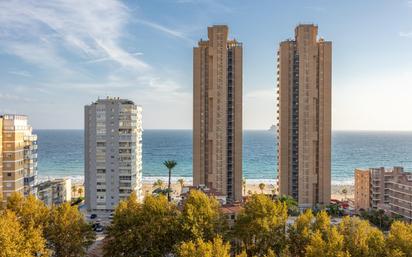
217,113
113,152
304,117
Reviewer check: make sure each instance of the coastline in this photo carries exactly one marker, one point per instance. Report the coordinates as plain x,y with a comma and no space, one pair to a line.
252,185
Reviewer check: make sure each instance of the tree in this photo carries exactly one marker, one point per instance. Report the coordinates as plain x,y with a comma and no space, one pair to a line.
398,242
170,164
67,233
147,229
74,190
291,203
261,187
29,210
158,183
199,248
80,191
201,217
300,233
244,186
322,223
182,183
261,225
361,239
345,192
378,218
17,241
326,244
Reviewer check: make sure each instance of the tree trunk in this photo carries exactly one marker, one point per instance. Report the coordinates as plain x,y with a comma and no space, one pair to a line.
168,187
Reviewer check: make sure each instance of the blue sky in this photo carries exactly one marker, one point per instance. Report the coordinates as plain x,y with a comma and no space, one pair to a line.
56,56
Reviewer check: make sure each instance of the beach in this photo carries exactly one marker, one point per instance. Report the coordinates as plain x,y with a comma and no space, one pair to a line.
252,187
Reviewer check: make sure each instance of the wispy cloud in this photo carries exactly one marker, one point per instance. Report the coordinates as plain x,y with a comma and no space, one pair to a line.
89,29
78,50
21,73
405,34
10,97
213,4
169,31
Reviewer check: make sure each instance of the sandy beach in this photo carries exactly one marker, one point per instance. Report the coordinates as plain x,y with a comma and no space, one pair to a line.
252,187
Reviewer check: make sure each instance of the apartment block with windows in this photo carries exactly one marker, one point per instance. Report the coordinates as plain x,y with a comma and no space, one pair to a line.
304,78
362,189
1,160
55,192
217,113
400,196
113,152
387,189
19,156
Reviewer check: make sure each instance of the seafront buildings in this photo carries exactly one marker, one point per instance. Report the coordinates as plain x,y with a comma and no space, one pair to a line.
386,189
19,156
113,152
55,192
362,189
304,117
217,113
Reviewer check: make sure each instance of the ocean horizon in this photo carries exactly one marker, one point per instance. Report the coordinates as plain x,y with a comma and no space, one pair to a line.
60,153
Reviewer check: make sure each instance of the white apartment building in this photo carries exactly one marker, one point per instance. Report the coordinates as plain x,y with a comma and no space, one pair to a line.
55,192
113,152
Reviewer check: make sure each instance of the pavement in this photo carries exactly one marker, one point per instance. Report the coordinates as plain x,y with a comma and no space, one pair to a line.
96,249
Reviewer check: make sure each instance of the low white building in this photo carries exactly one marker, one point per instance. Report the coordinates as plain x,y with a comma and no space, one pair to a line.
55,192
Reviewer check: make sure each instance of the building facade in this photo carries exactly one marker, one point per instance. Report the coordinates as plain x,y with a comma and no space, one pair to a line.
217,113
362,189
400,196
19,153
1,161
55,192
304,72
113,152
388,189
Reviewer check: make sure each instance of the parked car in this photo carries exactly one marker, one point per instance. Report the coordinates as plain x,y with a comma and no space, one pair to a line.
93,216
99,229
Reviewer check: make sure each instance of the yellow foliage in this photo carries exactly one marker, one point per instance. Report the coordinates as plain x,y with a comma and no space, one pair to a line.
399,241
17,241
216,248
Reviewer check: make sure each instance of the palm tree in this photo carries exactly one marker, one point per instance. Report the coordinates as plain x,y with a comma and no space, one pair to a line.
170,164
244,186
158,183
345,192
74,190
80,191
291,204
261,187
182,184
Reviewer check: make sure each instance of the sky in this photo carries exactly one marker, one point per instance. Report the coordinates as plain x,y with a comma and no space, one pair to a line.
57,56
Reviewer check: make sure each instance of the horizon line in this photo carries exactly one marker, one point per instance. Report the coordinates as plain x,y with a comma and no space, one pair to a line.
185,129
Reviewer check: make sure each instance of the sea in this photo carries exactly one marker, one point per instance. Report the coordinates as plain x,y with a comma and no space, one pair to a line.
60,153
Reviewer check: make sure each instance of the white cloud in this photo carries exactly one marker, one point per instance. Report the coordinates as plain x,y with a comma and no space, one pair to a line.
79,46
21,73
11,98
405,34
90,29
169,31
